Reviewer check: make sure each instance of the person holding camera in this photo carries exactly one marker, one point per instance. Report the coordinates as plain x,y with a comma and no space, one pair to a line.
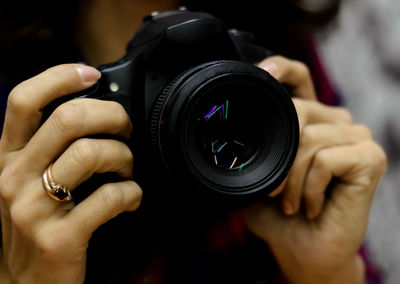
307,229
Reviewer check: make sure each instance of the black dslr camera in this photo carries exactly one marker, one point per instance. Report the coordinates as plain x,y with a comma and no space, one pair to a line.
206,119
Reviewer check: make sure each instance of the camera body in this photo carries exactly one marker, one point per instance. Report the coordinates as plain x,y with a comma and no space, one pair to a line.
206,120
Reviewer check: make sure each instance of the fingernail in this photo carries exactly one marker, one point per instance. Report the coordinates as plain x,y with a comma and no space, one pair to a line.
88,74
288,207
271,68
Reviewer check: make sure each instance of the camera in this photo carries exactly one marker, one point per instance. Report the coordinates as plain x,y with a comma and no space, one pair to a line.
207,121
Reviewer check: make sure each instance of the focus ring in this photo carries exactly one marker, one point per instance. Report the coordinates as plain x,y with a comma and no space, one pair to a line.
165,95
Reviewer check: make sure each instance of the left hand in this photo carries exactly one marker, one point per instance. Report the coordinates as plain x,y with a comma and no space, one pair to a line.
320,244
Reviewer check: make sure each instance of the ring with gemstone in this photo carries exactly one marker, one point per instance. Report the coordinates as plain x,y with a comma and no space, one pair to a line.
55,190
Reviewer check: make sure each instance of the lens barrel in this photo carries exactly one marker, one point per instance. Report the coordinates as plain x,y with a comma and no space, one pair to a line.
226,127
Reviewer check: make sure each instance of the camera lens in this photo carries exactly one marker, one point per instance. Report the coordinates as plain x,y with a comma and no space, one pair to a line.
226,130
226,127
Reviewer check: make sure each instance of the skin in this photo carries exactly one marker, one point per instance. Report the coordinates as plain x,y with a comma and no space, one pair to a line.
314,240
318,242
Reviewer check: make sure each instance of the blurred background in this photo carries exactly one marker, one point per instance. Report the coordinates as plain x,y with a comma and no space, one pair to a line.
359,48
361,53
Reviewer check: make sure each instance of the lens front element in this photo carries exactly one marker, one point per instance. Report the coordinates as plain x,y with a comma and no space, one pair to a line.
228,130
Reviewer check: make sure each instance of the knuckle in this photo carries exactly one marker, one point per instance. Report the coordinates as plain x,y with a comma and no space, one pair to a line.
112,197
309,135
52,241
6,195
117,197
138,196
278,59
128,155
343,114
47,247
321,158
121,118
364,131
50,244
302,69
378,159
20,218
301,107
85,151
67,118
18,99
382,161
7,187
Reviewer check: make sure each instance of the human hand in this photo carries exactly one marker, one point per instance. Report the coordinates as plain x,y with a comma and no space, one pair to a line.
43,240
319,243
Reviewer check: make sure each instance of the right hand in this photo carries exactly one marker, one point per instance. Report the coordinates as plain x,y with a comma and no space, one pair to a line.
320,245
45,241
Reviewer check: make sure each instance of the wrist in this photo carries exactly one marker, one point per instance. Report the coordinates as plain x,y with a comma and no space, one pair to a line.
352,272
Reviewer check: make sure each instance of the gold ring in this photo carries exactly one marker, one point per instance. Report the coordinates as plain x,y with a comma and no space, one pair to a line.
55,190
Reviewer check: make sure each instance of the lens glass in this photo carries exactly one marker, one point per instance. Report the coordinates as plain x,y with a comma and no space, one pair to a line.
229,126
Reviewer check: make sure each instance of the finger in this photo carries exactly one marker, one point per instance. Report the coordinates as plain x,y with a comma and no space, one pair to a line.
310,112
26,101
315,185
71,120
88,156
314,138
358,169
78,163
293,73
104,204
